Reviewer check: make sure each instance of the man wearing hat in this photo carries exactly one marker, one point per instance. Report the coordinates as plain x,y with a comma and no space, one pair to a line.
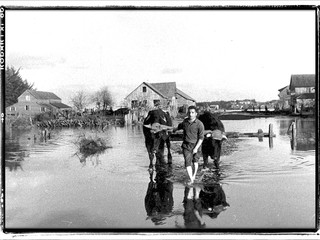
155,141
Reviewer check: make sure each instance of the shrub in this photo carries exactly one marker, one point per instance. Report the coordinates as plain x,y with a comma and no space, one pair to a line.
89,146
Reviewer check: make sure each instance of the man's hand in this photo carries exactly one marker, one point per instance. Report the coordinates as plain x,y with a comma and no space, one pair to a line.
195,150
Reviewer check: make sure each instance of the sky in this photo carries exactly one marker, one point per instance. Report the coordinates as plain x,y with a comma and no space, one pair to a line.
212,55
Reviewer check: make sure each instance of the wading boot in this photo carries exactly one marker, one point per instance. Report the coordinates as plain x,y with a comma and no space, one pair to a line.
169,158
205,164
216,163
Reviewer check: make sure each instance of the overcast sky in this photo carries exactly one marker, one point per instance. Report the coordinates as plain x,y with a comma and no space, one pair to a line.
211,55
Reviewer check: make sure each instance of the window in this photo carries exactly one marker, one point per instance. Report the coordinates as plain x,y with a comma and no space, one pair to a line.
144,89
134,103
42,109
27,107
12,109
155,102
145,102
28,98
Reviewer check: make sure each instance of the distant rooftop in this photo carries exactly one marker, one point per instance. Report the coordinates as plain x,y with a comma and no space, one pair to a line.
44,95
59,105
168,89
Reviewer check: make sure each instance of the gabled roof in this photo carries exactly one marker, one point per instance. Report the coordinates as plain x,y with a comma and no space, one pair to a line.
155,89
184,95
43,95
302,80
150,86
59,105
165,90
168,89
280,90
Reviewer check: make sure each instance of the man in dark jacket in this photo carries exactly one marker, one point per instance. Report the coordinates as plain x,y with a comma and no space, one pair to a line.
155,141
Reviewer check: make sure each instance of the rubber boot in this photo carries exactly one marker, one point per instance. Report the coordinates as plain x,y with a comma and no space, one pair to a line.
169,158
216,163
205,162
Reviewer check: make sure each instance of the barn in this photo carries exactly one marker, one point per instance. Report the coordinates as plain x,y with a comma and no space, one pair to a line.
148,94
302,89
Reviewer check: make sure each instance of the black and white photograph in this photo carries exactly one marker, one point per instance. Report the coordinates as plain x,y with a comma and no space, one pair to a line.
159,119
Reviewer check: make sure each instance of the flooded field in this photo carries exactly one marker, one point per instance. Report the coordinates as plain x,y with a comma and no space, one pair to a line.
259,186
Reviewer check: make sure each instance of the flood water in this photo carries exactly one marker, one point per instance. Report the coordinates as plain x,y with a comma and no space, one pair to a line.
261,186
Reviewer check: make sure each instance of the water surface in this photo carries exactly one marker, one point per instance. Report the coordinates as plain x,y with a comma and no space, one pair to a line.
266,186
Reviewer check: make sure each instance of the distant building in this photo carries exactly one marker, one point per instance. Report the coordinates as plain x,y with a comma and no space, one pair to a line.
246,101
302,90
33,102
243,104
235,105
214,107
284,98
149,94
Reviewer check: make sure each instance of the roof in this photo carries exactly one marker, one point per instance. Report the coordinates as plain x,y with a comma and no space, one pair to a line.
168,89
150,86
302,80
165,90
43,95
59,105
307,96
155,89
45,105
184,95
282,88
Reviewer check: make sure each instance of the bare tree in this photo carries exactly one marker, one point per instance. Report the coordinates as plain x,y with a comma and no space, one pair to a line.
80,100
102,98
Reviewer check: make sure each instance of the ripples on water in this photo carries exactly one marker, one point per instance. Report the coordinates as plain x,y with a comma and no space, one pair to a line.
111,187
254,161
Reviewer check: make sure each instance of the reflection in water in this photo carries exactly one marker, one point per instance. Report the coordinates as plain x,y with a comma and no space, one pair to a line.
284,126
14,156
192,208
93,158
44,135
302,144
19,143
302,138
213,200
90,147
159,199
208,198
15,163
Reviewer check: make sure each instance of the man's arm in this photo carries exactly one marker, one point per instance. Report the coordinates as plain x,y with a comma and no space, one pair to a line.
200,138
179,127
149,119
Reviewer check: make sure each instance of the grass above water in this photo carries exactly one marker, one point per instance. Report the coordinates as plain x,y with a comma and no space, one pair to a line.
88,145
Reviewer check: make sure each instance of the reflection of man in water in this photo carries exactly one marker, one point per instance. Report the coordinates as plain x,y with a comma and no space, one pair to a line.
192,208
213,200
159,200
